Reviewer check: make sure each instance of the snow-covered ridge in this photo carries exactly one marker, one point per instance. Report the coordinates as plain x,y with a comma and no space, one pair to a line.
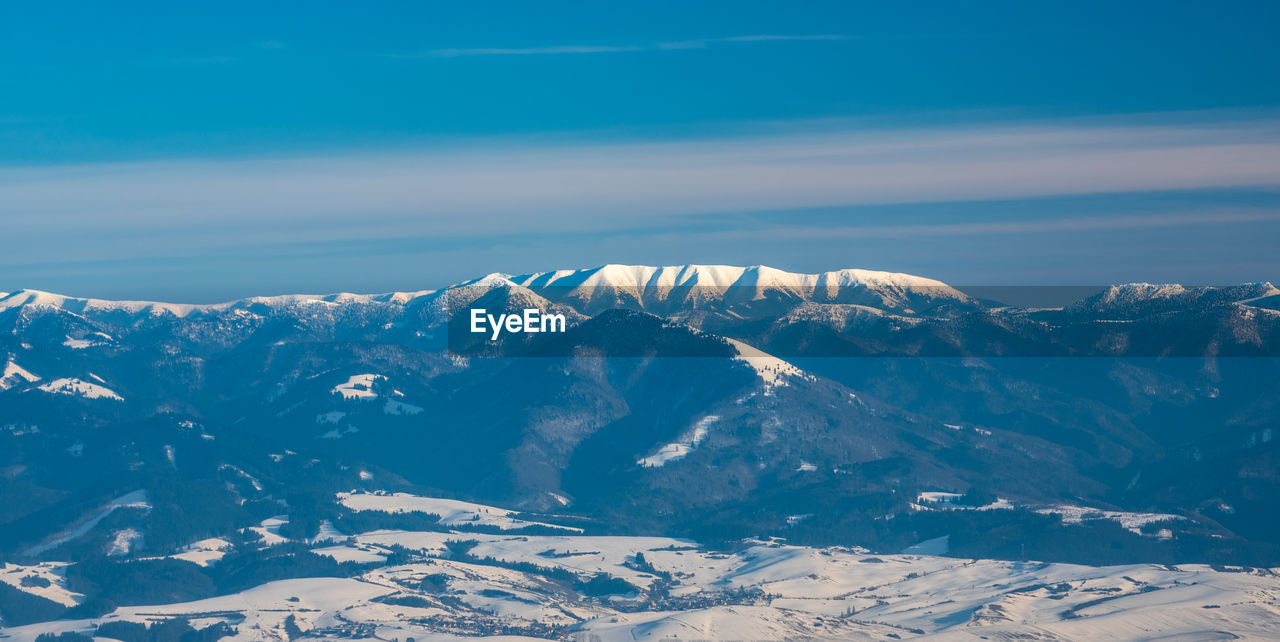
718,276
81,306
15,375
635,277
1130,294
640,281
697,282
78,388
774,372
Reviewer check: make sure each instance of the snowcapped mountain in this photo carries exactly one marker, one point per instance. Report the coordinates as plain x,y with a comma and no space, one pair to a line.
720,276
36,299
663,289
589,290
644,284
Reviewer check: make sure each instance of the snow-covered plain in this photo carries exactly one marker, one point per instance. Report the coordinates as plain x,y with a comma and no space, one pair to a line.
768,590
530,587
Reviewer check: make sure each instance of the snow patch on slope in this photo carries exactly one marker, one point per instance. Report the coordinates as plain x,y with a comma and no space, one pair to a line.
393,407
15,375
81,344
78,388
359,386
331,417
1131,521
680,448
46,579
452,512
773,371
204,552
123,541
134,500
269,530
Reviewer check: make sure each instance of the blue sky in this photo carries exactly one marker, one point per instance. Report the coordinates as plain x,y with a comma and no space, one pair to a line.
201,152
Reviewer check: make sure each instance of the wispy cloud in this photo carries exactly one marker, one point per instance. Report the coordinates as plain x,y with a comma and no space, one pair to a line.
780,38
699,43
182,208
526,51
1079,223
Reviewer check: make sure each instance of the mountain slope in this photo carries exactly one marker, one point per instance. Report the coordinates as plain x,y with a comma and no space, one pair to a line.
698,400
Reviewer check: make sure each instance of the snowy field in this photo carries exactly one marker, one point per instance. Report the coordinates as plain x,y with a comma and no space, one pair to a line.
536,587
78,388
452,512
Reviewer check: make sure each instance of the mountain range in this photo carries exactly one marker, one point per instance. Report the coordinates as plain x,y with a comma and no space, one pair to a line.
848,408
